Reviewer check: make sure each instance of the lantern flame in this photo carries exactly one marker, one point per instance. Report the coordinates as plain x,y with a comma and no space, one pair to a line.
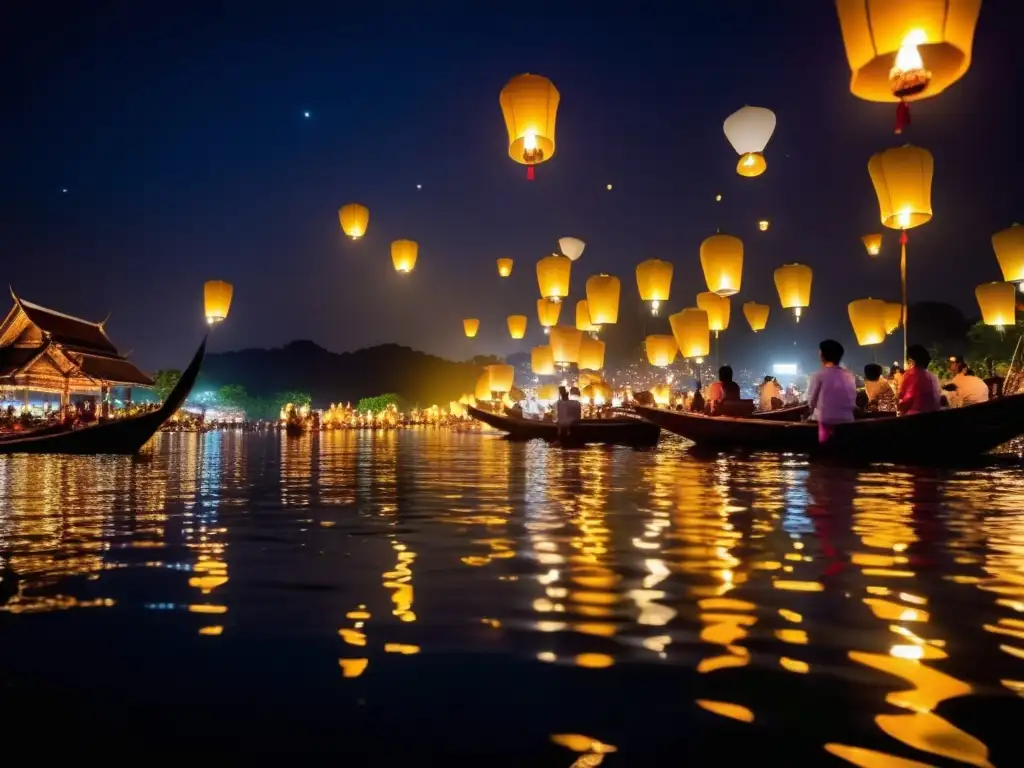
655,304
908,75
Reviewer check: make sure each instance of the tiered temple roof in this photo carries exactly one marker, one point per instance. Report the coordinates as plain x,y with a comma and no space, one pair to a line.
45,350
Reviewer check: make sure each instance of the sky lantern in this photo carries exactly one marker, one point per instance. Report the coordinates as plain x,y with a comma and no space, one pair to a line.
548,312
872,244
482,390
718,309
591,354
908,50
793,282
654,281
691,331
516,326
529,104
547,392
893,316
603,299
756,314
1009,247
748,130
763,225
470,325
565,344
542,361
571,247
867,316
504,267
403,254
998,303
217,299
902,177
500,377
583,321
553,276
661,349
354,218
721,257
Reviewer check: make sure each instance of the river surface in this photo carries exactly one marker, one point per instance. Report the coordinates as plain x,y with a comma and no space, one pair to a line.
440,598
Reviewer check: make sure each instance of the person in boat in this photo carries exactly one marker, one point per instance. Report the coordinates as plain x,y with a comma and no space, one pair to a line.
965,388
567,412
880,397
771,394
725,389
516,411
919,389
896,378
697,401
832,392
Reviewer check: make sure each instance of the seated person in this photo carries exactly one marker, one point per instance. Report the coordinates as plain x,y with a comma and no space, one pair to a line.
880,396
965,388
723,389
567,412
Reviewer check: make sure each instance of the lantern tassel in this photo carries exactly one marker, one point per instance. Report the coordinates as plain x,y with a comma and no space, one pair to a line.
902,116
529,173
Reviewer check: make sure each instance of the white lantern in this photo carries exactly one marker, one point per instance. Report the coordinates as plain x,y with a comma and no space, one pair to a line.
749,130
571,247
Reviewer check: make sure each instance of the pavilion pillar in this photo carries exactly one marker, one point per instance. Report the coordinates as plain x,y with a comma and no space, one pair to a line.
25,399
65,394
104,402
127,397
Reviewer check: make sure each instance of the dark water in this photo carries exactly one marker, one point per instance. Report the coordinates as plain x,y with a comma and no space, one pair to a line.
447,599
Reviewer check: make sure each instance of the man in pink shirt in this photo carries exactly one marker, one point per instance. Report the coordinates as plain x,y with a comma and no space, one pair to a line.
832,394
920,391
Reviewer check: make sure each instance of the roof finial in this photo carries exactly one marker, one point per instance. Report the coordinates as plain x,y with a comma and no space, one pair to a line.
103,322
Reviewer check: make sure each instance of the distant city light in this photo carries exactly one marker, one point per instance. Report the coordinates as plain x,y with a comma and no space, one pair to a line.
785,369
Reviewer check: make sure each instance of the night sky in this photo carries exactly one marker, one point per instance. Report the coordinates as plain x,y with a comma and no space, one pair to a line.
183,145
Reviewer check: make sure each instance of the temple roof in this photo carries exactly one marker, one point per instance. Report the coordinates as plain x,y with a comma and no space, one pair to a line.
116,370
67,330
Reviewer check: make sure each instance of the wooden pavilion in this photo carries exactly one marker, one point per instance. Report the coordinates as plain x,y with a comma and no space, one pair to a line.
51,353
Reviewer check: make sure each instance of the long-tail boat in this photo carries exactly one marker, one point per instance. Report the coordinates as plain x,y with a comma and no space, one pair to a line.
624,430
942,436
119,436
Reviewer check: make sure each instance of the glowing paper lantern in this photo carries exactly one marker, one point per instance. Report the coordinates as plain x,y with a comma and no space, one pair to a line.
763,225
793,282
217,299
571,247
529,104
691,331
354,219
501,377
756,314
403,254
591,354
867,316
873,244
997,302
547,392
516,326
470,325
902,177
597,392
548,312
1009,247
893,316
721,257
718,309
504,267
542,361
603,299
565,344
583,322
748,130
907,50
662,394
482,390
553,277
654,281
661,349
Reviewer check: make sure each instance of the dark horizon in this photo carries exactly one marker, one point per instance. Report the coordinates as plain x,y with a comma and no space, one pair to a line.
186,155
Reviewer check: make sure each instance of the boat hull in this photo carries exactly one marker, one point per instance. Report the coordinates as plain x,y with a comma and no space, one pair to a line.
791,413
618,431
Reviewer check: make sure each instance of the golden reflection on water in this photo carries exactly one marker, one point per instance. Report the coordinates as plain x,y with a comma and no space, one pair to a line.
739,581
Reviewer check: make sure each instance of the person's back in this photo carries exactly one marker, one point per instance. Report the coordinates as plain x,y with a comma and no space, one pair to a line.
920,391
566,411
724,389
970,389
832,394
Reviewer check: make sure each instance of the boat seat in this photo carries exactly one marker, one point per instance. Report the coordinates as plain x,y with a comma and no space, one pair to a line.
737,409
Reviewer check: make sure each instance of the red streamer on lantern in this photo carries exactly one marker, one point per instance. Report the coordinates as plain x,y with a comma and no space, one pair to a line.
529,173
902,116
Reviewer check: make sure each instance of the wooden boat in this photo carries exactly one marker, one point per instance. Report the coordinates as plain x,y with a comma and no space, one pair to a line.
122,436
948,435
789,413
49,430
625,430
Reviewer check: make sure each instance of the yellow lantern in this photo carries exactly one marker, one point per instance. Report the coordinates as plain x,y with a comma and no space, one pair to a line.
763,225
470,325
547,392
565,344
529,104
661,349
718,309
354,218
548,312
793,282
516,326
654,281
907,50
998,303
504,267
748,130
867,316
217,298
721,257
403,254
584,379
902,177
873,244
756,314
583,318
597,393
553,276
482,390
571,247
893,316
603,299
542,361
691,331
591,354
662,394
1009,247
501,377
